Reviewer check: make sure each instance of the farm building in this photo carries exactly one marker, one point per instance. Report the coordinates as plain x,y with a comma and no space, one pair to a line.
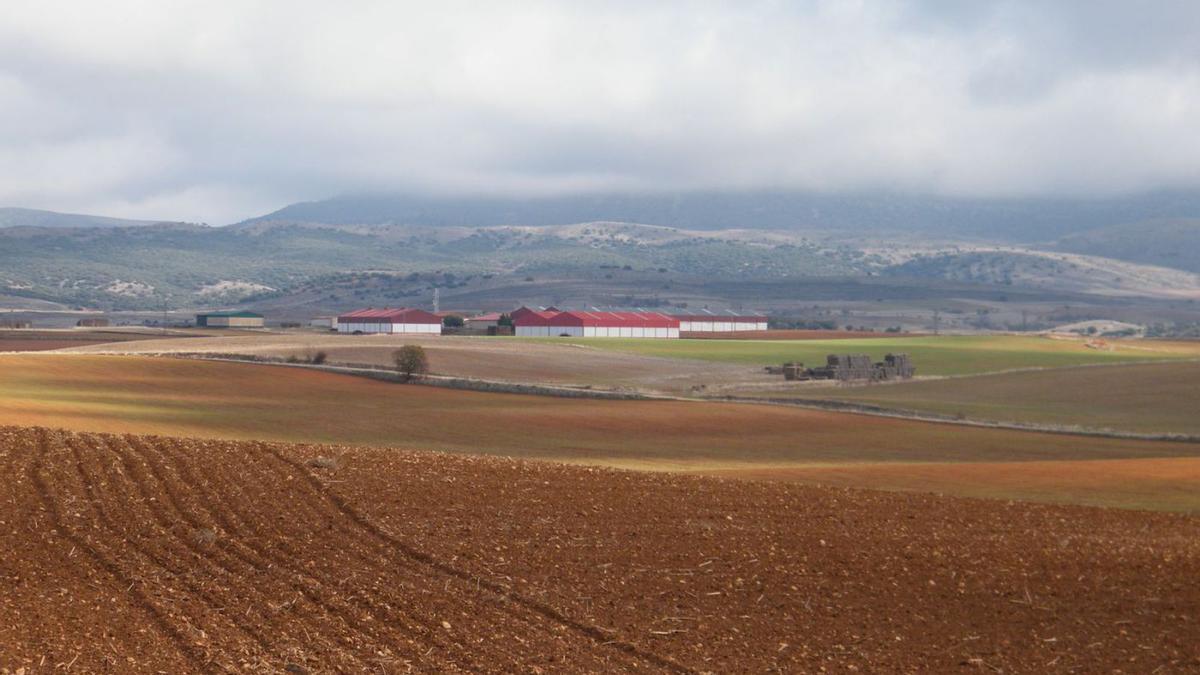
484,321
579,323
720,322
238,319
92,323
399,320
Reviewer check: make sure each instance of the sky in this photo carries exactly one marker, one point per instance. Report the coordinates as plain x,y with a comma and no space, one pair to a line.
216,111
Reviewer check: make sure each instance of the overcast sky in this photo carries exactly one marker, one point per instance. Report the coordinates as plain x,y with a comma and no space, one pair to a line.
211,111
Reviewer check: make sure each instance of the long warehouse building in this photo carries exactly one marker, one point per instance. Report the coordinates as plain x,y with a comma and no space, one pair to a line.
532,323
400,320
726,322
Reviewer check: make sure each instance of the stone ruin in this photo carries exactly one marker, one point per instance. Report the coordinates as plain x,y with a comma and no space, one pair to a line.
852,367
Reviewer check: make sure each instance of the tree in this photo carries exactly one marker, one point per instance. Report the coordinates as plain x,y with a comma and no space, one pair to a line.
411,361
452,321
504,320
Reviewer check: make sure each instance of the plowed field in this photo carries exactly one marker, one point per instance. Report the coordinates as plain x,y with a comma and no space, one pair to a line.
144,554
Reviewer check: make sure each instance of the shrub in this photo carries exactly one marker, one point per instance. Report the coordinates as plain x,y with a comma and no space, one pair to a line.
319,357
411,361
453,321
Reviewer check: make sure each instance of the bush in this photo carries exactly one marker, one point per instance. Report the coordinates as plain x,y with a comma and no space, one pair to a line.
411,361
453,321
319,357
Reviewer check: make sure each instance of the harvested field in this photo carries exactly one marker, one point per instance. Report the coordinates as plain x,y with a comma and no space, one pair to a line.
264,402
259,402
934,355
1147,398
497,359
132,553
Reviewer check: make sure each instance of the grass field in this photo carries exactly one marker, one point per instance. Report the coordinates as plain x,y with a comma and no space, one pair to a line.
242,401
934,355
1148,398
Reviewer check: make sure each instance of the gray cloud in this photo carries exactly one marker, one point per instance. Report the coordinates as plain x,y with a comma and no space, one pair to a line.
194,111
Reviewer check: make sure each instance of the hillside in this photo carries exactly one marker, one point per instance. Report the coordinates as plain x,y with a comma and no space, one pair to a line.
1168,243
18,217
851,214
192,265
166,554
309,268
1062,272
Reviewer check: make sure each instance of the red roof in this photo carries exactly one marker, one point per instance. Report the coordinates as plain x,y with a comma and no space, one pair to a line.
388,315
582,318
494,316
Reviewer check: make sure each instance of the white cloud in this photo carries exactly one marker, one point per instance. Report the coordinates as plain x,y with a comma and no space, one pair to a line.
214,111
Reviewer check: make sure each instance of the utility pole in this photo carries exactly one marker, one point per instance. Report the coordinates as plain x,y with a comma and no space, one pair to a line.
937,320
437,300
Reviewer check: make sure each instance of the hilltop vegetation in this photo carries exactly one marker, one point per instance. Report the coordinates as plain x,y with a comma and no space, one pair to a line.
188,265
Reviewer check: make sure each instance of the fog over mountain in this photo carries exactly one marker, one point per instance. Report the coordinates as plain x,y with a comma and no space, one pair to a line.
1023,220
218,112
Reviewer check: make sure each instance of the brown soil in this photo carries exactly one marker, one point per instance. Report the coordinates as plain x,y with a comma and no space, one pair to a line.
46,340
42,345
137,554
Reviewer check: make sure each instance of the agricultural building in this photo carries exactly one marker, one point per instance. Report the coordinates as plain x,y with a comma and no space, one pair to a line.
399,320
594,324
521,312
484,321
720,322
238,319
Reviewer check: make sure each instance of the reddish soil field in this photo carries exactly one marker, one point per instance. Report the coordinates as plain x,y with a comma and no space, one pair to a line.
144,554
41,345
794,334
1167,483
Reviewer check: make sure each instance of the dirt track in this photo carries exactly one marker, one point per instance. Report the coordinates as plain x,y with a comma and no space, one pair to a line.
128,553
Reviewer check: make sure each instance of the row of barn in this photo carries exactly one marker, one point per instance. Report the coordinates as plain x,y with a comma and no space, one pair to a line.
552,322
595,323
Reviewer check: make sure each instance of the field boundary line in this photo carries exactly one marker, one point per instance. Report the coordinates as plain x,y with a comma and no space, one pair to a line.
445,381
828,405
850,408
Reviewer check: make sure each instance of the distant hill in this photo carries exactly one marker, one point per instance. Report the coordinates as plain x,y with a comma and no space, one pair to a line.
1169,243
1045,270
1008,220
18,217
182,265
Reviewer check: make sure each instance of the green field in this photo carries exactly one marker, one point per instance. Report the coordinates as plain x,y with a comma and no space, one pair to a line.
934,355
1140,397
